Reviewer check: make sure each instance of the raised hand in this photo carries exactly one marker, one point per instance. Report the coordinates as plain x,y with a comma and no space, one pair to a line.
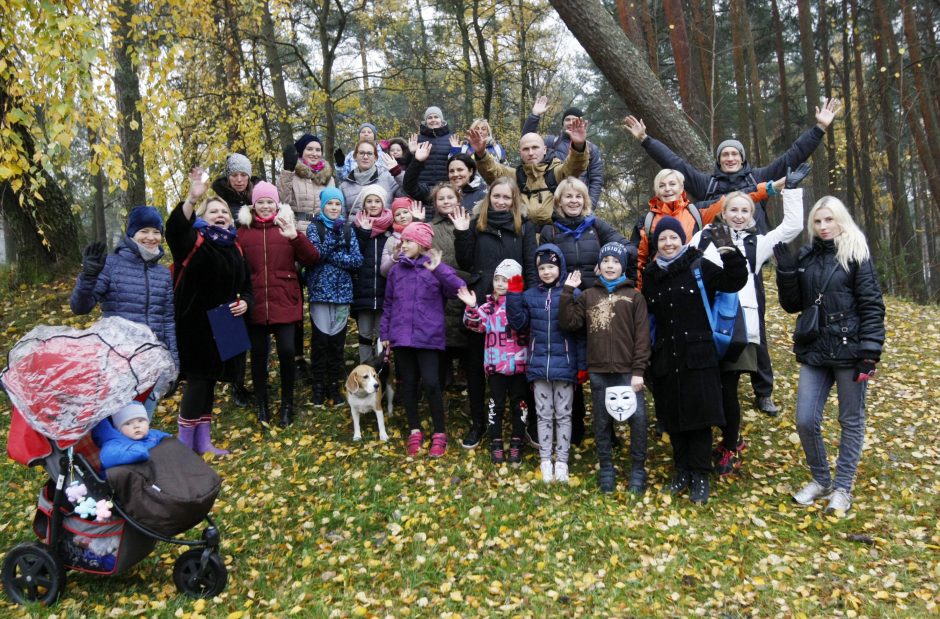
578,132
477,141
573,279
461,218
93,258
516,284
417,210
435,256
339,157
413,142
721,235
422,151
287,228
468,297
825,115
786,262
795,177
636,127
540,106
363,220
388,160
290,158
454,140
198,183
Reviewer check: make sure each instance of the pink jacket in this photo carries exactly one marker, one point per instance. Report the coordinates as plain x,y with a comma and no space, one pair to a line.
505,351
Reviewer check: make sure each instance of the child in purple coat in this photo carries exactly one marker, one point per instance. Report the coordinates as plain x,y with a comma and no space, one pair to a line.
413,327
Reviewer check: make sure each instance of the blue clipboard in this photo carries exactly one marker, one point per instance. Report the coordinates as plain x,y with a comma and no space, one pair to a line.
229,332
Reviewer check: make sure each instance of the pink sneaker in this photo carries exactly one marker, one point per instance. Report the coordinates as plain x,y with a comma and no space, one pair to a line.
415,439
438,445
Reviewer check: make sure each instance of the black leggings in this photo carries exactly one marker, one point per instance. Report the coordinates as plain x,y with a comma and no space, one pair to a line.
691,450
326,358
472,361
198,397
420,365
284,339
517,388
729,400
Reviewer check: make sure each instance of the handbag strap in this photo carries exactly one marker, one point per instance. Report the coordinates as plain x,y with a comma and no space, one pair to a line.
701,289
818,300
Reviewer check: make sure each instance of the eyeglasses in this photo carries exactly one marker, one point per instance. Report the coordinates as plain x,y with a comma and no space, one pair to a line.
363,153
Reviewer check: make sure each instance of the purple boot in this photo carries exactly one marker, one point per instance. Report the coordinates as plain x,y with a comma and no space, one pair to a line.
202,442
187,430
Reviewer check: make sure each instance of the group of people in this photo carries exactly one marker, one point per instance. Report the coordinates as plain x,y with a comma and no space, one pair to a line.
442,252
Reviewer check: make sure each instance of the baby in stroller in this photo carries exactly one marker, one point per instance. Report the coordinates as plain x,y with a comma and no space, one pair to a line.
126,438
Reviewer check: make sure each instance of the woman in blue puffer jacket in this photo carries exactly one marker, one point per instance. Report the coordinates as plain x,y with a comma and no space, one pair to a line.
131,282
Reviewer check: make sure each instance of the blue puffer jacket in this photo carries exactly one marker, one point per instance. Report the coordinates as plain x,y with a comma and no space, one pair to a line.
132,288
331,280
368,282
553,354
117,449
435,168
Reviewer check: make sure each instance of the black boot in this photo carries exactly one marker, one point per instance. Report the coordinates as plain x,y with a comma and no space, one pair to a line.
319,394
287,413
241,395
607,478
332,393
698,488
261,407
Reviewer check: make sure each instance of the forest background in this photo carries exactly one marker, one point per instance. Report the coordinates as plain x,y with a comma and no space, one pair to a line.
106,105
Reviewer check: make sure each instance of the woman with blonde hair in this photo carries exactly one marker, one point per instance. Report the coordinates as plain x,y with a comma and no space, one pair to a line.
493,147
838,341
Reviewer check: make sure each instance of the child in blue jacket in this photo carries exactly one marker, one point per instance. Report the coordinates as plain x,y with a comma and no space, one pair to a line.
555,357
126,438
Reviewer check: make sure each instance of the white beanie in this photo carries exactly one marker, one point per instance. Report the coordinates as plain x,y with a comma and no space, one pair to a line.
508,268
134,410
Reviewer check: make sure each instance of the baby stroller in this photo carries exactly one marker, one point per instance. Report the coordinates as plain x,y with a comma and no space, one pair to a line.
62,382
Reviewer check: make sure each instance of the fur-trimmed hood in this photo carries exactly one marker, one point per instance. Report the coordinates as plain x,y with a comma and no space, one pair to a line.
322,177
246,218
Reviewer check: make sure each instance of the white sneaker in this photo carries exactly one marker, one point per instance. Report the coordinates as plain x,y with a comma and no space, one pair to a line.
548,474
840,502
811,492
561,472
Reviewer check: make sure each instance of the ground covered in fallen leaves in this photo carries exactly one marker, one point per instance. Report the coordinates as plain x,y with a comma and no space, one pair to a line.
315,525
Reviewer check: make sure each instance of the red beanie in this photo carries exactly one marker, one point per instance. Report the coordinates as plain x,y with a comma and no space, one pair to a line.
419,232
400,203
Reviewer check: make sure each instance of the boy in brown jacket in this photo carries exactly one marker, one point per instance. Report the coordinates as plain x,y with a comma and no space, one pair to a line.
618,349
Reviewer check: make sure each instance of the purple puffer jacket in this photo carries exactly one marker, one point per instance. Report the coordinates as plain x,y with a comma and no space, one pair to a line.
414,303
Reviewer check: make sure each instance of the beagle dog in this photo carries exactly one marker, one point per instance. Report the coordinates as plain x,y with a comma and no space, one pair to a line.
364,389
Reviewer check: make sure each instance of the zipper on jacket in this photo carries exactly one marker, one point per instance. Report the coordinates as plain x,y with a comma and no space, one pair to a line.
548,320
267,290
375,272
147,294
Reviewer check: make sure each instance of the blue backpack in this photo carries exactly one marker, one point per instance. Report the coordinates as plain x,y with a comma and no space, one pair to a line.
726,318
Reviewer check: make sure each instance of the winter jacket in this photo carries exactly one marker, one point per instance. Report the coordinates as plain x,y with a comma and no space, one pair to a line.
504,350
479,253
133,288
583,249
758,249
444,239
558,146
117,449
492,147
349,164
368,280
271,257
616,324
416,190
414,304
554,354
684,364
852,311
330,281
704,186
234,199
215,275
435,167
351,189
301,189
537,194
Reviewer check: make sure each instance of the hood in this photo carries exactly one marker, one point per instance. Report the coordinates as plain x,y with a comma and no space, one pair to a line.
732,178
247,218
563,266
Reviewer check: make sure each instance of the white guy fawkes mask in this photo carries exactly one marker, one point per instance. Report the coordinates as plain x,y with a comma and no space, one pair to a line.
620,402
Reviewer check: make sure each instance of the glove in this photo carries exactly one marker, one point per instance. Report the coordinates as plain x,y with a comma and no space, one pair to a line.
93,258
795,177
338,224
339,156
582,377
721,235
865,370
290,158
785,260
516,284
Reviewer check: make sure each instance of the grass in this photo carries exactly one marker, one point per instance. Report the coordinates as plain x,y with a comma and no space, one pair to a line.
315,525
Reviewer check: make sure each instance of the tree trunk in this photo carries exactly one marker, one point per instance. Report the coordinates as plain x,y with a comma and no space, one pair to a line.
756,99
460,10
740,80
630,24
825,61
282,110
682,56
127,93
99,230
522,29
777,27
872,230
365,97
703,60
851,151
624,67
486,71
810,83
425,84
233,65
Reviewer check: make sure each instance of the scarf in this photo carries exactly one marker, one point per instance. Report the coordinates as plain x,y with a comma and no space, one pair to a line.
363,177
380,223
146,254
217,235
665,262
500,219
612,284
315,167
264,220
331,224
397,227
586,223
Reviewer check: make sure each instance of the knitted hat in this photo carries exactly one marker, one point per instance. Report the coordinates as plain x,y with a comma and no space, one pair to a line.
375,132
237,162
433,110
615,249
305,139
733,144
264,189
573,111
143,217
372,190
547,256
134,410
667,223
419,232
332,193
508,268
399,203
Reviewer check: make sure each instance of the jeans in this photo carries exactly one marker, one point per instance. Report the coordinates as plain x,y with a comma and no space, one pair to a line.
367,321
815,384
604,423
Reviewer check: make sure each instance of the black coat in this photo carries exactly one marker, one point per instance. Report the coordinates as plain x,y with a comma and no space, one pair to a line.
583,253
368,281
213,276
435,167
479,253
684,368
852,311
234,199
417,190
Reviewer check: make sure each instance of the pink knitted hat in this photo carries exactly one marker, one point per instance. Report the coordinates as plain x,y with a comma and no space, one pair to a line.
419,232
265,190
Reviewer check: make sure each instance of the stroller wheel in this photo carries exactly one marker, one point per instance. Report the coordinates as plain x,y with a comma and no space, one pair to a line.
32,572
200,573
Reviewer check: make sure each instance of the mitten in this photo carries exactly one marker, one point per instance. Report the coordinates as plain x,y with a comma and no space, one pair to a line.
582,377
290,158
864,370
339,156
516,284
